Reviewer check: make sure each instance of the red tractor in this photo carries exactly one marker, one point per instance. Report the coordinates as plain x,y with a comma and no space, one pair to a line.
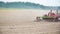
50,17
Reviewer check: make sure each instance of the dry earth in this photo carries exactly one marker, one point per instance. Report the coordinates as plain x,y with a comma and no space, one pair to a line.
21,21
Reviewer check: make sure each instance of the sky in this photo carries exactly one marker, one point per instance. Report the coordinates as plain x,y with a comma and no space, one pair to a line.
42,2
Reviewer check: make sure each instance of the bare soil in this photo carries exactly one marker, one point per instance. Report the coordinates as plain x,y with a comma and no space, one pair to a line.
22,22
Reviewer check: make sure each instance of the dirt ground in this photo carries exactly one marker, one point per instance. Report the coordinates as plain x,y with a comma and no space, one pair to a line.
21,21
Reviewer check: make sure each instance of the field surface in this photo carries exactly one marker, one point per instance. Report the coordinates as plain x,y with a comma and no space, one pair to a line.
21,21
